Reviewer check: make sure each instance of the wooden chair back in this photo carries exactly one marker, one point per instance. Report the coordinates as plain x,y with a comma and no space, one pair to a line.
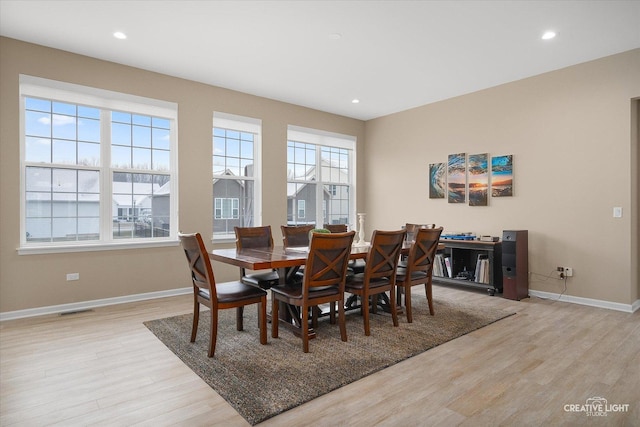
412,229
253,237
336,228
200,266
296,235
383,256
423,250
327,261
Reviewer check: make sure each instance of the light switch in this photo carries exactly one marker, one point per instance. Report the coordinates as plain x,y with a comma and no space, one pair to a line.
617,212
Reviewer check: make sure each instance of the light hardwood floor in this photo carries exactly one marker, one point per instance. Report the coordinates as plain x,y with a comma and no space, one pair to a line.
104,367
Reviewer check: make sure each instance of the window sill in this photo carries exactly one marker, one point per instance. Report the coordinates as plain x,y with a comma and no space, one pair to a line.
90,247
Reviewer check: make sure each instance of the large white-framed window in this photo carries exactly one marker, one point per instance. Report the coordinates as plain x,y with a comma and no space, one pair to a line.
320,177
236,187
98,168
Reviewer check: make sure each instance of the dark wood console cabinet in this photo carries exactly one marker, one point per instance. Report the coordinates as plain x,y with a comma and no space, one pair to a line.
463,257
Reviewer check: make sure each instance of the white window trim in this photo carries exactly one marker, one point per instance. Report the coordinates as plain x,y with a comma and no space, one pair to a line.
37,87
254,126
329,139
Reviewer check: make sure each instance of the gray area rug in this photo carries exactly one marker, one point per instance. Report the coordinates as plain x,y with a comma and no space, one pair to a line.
263,381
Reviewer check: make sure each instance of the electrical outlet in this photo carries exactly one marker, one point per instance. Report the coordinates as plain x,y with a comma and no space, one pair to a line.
73,276
564,272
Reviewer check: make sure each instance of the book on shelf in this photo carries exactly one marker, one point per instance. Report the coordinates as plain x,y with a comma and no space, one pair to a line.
447,263
482,269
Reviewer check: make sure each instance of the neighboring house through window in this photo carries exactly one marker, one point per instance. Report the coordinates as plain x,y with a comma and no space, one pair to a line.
320,177
97,167
236,184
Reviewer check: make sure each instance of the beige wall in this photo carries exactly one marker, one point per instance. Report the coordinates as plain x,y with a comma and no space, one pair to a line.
31,281
575,158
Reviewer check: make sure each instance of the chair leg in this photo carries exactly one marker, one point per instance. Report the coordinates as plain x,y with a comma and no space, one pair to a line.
274,317
305,329
407,303
315,310
343,321
332,312
196,319
429,292
262,320
394,308
214,332
365,314
239,318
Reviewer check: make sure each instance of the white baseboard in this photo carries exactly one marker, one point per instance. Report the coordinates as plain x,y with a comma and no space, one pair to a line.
85,305
627,308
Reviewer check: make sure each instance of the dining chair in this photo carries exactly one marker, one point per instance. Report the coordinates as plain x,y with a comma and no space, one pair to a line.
296,235
419,267
256,237
336,228
356,265
379,273
323,282
219,296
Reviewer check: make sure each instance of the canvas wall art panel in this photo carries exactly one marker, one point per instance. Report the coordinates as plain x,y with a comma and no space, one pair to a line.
437,180
502,176
457,178
478,179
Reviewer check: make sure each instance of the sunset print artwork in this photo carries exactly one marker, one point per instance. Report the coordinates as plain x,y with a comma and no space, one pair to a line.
457,178
437,180
478,179
502,176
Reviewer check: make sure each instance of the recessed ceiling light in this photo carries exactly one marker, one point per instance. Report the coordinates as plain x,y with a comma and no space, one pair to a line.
335,36
548,35
355,101
120,35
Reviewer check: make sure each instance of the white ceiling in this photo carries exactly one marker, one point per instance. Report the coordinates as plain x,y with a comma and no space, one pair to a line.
392,55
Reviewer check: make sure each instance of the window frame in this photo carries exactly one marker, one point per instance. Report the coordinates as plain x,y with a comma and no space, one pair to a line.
321,139
245,124
107,102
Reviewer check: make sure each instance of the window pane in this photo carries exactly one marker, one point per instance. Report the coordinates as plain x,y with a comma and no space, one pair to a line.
141,136
64,151
64,229
37,150
161,160
89,130
161,138
37,124
38,229
88,112
64,180
88,154
120,157
38,179
64,127
64,205
38,104
120,134
141,120
38,205
64,108
117,116
89,182
141,158
88,228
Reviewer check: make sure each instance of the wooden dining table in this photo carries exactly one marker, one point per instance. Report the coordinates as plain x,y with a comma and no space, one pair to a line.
286,261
